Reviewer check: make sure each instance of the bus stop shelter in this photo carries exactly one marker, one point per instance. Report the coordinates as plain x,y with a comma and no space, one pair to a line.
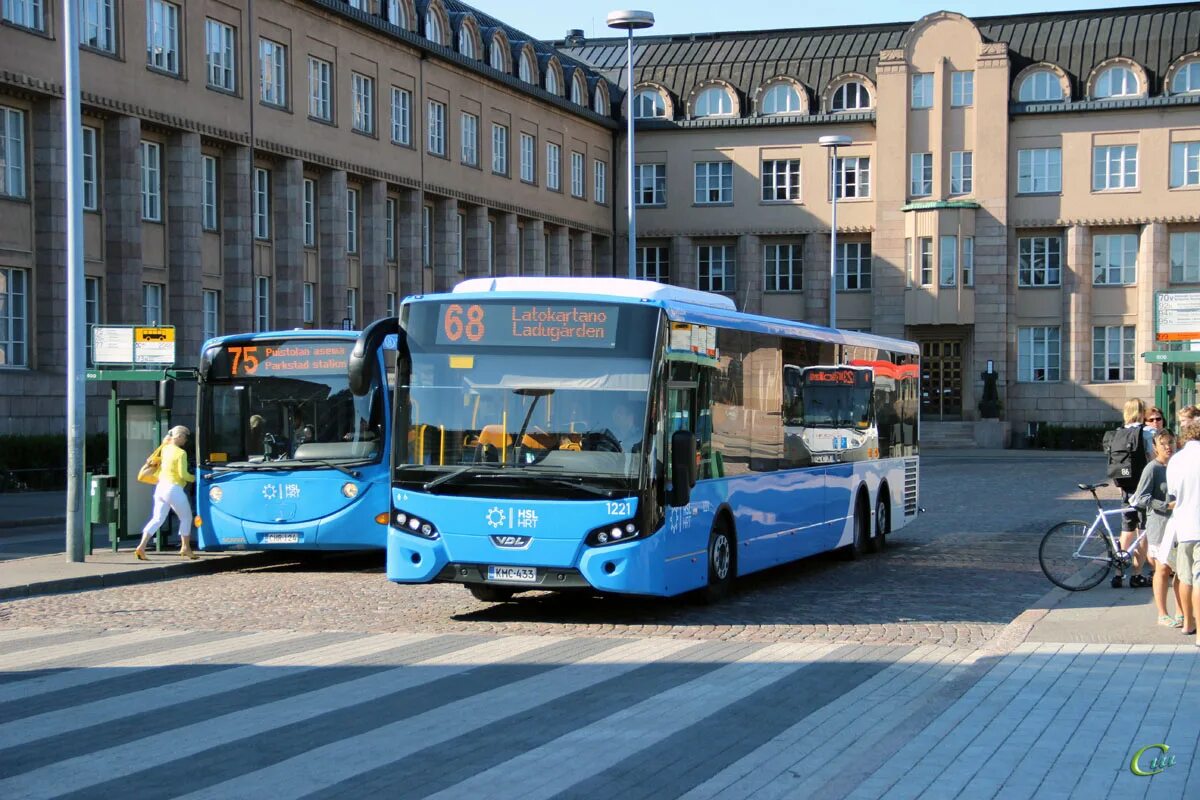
1176,325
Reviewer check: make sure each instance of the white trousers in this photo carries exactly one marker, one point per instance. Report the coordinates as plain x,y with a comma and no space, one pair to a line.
169,497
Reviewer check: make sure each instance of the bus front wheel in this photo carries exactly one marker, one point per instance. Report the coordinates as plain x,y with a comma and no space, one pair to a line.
721,563
490,594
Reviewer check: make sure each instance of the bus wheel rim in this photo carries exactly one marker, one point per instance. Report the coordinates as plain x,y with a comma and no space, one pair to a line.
720,556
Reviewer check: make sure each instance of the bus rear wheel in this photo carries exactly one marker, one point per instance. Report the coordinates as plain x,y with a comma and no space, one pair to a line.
721,564
883,523
490,594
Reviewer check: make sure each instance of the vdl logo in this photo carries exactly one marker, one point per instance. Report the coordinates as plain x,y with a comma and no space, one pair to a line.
1155,765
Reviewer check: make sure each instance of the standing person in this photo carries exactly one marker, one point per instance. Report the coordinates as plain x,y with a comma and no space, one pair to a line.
169,494
1131,440
1152,498
1183,483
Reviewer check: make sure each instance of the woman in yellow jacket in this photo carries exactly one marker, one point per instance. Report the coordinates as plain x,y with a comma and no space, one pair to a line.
169,496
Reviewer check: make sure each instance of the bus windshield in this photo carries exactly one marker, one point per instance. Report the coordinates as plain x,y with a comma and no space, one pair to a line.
532,409
288,404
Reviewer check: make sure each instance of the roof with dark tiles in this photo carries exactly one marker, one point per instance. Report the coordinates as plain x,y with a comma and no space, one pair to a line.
1077,41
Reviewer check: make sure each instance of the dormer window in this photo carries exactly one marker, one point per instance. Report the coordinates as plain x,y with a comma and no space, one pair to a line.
713,102
396,13
433,26
600,100
1116,81
649,104
1040,86
527,71
850,96
552,81
466,42
781,98
1187,79
578,90
496,57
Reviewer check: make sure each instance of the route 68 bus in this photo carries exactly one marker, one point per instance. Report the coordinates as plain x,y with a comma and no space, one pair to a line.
627,436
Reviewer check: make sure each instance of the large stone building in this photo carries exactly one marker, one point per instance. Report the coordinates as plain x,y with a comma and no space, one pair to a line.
1017,190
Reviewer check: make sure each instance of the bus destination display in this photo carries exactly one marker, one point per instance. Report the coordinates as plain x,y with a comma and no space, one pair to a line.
527,325
294,358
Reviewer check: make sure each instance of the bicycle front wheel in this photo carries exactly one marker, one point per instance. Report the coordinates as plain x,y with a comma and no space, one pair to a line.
1072,559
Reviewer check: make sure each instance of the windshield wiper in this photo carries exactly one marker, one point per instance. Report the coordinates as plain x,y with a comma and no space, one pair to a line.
449,476
323,462
579,483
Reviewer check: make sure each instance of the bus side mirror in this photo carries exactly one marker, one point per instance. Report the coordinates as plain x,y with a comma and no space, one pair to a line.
362,357
166,394
683,467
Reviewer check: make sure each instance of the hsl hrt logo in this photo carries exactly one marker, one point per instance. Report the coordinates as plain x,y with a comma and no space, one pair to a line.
1155,765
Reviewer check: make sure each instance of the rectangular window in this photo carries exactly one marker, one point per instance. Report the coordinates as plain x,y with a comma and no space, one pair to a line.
427,236
528,168
1039,261
401,116
272,72
389,229
1114,260
715,266
320,98
1185,257
98,25
151,182
12,152
962,171
262,203
577,187
309,302
209,215
962,89
310,212
1185,163
352,307
650,184
1038,354
925,256
714,182
220,47
390,304
461,223
491,247
921,174
91,313
782,268
90,177
947,260
499,149
653,264
1039,171
262,303
600,182
210,324
14,317
352,221
853,266
470,140
781,180
553,167
152,304
968,261
922,90
435,125
26,13
1113,353
1114,167
853,177
362,91
162,36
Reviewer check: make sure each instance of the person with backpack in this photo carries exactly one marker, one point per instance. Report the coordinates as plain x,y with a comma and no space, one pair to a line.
1129,449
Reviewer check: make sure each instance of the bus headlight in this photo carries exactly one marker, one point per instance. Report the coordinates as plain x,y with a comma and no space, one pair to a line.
613,533
215,493
350,490
415,525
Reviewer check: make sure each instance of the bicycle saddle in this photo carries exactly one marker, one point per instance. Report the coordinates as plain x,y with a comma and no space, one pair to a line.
1091,487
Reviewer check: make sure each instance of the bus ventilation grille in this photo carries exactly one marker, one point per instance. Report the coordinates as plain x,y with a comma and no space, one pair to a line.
910,488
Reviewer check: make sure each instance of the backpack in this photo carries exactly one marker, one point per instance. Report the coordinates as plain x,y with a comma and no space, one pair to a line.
1126,453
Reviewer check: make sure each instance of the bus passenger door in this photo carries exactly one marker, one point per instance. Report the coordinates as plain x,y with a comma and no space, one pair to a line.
681,415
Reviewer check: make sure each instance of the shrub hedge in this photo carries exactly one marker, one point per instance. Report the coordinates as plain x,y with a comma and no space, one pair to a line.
1071,437
40,462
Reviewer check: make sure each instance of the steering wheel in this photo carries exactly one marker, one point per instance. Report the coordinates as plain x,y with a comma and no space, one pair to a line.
604,441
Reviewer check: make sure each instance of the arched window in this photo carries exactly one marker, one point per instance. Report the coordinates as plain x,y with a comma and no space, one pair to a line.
496,57
781,98
600,100
1040,86
578,90
850,96
528,71
1186,79
396,14
551,80
1116,81
649,104
713,102
466,41
433,26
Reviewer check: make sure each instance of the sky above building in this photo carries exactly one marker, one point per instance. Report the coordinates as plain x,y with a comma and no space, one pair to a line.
550,20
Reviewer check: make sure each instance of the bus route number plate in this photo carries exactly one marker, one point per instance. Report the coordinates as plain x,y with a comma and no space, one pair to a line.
512,574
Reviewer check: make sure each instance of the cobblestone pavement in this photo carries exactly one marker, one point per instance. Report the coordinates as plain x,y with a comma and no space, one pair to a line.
954,577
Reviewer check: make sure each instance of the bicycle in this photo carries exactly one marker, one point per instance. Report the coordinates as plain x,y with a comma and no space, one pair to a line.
1077,556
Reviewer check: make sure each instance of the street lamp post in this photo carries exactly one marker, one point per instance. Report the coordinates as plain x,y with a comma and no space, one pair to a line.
630,21
833,143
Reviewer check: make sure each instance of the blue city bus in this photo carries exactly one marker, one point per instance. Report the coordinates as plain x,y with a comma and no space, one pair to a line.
627,436
288,457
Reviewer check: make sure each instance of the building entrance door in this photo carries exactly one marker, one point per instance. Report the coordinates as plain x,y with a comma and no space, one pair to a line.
941,378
